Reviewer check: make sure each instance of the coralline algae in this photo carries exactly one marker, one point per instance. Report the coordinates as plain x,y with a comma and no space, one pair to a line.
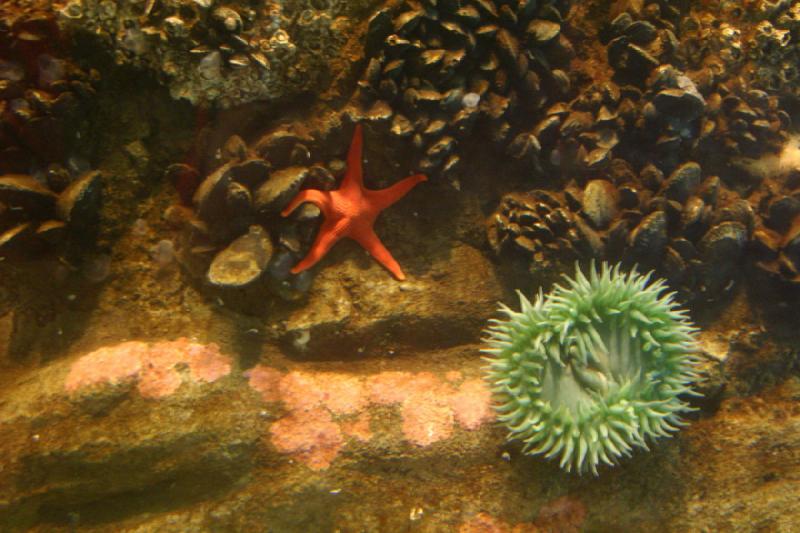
154,368
326,407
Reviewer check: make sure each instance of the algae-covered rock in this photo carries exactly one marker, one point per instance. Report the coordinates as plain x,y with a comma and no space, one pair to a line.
228,53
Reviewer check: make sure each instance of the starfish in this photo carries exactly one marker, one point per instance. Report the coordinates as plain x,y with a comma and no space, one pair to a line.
351,210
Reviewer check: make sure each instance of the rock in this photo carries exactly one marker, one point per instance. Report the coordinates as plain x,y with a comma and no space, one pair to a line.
154,427
66,468
746,434
226,55
279,189
243,261
6,338
425,311
79,204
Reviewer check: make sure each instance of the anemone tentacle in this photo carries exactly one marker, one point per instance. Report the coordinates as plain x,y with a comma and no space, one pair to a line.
594,369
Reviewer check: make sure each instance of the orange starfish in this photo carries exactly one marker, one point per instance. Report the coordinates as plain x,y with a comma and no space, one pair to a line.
351,210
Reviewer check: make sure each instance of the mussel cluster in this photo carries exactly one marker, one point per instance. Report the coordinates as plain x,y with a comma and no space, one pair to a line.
228,52
232,233
645,163
756,40
45,192
776,239
443,66
689,228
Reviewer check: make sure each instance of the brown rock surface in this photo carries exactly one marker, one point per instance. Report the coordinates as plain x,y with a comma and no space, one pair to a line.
357,310
374,444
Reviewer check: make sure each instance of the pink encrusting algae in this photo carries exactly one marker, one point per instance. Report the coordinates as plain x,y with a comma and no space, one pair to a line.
310,436
155,367
266,381
324,409
426,418
471,404
109,364
430,407
340,393
388,388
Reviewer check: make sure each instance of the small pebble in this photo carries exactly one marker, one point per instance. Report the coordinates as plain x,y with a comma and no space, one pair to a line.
163,253
139,227
301,339
97,268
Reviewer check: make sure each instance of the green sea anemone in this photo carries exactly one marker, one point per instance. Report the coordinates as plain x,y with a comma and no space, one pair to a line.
593,369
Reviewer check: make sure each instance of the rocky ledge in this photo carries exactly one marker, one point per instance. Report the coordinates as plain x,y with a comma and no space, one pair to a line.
141,436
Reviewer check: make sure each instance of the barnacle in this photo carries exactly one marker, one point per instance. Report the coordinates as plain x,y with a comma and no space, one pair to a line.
593,369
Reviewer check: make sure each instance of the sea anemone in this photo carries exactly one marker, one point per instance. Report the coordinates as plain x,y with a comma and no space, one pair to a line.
593,369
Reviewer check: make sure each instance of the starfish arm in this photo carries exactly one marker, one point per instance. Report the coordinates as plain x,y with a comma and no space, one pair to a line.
316,197
370,241
328,235
354,178
386,197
